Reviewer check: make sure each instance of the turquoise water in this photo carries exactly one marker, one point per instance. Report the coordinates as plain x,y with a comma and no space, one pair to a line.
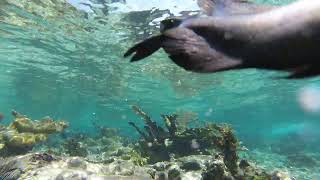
66,62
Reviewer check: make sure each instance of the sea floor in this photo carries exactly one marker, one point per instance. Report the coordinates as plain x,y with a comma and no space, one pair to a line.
300,166
32,149
44,166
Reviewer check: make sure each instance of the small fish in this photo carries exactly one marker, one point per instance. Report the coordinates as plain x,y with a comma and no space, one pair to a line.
240,35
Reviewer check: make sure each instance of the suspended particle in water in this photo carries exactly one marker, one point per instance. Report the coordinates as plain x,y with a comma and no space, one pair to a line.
209,112
167,142
195,144
309,99
124,117
172,156
179,82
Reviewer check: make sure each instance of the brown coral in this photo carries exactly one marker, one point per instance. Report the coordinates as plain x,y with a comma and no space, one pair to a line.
45,126
23,133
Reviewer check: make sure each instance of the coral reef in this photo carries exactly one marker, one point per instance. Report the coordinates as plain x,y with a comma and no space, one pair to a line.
44,126
23,133
169,152
106,144
159,144
75,148
207,153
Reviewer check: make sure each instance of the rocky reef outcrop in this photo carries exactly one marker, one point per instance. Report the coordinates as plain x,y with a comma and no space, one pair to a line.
23,133
208,152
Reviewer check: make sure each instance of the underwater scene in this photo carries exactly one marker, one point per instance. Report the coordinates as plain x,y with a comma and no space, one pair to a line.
72,107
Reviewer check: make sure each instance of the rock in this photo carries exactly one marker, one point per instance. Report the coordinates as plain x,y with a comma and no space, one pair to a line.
195,162
216,171
121,151
244,164
10,169
72,175
42,157
124,168
160,166
174,173
192,175
77,162
161,176
191,166
277,175
151,172
115,177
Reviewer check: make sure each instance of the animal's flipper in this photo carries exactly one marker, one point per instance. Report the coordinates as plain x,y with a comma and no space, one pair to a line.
193,53
220,63
144,48
301,72
231,7
304,72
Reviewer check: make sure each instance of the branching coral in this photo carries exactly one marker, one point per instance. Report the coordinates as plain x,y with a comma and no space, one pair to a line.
159,144
154,132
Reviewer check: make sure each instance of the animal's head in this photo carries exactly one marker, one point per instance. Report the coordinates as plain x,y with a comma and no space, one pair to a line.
169,24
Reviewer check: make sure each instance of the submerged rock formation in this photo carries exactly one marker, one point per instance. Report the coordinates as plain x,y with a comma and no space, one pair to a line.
23,133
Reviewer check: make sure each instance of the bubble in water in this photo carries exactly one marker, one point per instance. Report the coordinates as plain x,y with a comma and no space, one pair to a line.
209,112
123,117
309,99
179,83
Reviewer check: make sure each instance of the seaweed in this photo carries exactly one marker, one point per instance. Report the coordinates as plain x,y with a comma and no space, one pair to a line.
154,132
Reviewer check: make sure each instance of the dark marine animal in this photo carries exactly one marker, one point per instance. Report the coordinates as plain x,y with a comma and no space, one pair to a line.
285,38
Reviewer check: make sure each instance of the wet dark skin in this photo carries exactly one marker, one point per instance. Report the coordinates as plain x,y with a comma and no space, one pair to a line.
277,38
